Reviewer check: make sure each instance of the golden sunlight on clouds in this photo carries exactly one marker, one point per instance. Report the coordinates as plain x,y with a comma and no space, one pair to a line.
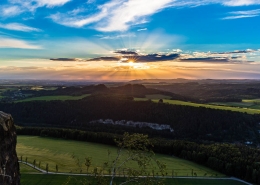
121,71
134,65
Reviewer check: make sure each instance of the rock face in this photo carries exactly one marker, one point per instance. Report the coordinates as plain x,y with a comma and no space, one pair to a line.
9,166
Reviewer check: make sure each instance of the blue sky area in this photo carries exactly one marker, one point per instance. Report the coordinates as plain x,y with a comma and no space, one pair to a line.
65,39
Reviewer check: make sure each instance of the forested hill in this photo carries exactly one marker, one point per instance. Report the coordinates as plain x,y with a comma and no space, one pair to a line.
192,123
135,90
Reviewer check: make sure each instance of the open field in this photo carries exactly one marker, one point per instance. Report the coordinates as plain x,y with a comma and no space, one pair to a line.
47,88
49,98
65,153
234,104
252,101
222,107
247,103
157,96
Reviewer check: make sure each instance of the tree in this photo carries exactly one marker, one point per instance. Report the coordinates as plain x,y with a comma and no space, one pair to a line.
47,168
88,162
57,168
135,159
134,164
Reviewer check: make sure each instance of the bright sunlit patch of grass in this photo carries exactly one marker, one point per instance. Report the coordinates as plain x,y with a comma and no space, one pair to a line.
64,153
221,107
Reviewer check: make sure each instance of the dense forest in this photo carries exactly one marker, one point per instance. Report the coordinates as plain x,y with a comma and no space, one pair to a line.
190,123
216,91
231,159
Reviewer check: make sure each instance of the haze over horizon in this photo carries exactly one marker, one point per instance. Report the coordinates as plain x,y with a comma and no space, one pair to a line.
121,40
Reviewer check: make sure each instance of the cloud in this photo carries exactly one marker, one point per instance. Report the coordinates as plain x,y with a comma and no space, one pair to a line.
50,3
207,59
177,50
142,29
91,1
104,59
116,15
240,2
77,21
19,27
129,13
33,4
120,15
176,55
157,57
138,58
237,51
230,60
243,14
67,19
119,36
16,43
126,52
16,7
10,11
67,59
196,3
237,56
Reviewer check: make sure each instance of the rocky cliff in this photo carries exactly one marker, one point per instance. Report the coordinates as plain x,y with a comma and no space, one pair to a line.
9,166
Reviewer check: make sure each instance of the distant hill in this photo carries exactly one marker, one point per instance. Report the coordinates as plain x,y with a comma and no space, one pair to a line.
200,81
133,90
137,90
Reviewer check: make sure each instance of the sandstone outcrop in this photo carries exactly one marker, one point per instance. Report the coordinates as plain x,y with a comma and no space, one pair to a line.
9,166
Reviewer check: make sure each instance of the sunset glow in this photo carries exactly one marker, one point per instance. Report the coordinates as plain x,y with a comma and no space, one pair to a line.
108,40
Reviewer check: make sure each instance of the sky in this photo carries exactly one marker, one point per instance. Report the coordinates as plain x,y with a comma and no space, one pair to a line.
121,40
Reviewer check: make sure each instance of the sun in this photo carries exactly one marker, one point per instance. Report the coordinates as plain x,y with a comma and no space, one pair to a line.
131,63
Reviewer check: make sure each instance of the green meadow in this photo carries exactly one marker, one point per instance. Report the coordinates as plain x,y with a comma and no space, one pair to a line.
70,155
157,96
226,106
47,88
246,103
50,98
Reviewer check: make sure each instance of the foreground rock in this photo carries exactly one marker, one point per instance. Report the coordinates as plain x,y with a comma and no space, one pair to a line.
9,166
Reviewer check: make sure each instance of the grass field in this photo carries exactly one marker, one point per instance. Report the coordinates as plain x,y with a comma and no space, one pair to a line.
24,169
44,179
157,96
49,98
246,103
65,152
222,107
47,88
252,100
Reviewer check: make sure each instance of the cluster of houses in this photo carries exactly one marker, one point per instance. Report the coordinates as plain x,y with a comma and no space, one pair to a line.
154,126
